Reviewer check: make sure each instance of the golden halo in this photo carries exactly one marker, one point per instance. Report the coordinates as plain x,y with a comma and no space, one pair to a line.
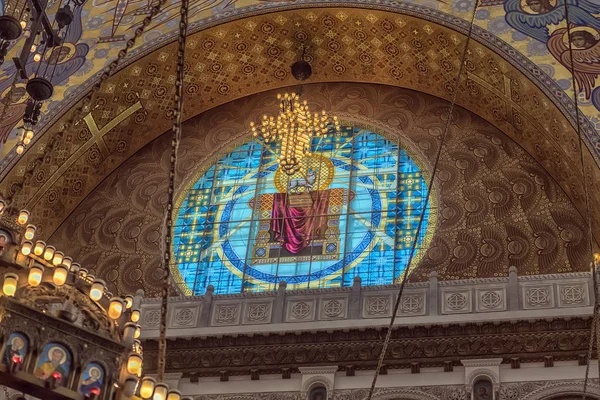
12,342
95,369
70,55
64,353
323,166
21,99
525,7
594,32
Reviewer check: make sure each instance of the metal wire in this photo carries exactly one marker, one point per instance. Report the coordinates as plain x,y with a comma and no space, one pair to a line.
16,188
595,328
168,218
405,276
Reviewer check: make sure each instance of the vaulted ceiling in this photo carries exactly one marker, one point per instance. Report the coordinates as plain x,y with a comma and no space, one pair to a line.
241,48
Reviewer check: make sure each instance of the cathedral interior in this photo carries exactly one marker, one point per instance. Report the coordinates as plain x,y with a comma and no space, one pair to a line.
299,199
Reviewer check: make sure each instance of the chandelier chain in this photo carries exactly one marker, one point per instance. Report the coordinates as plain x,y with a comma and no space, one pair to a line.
405,274
168,218
595,328
83,106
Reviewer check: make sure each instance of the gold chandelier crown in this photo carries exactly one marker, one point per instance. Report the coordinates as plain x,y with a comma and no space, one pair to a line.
295,127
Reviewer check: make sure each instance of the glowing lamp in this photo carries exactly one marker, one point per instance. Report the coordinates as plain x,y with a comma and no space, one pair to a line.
38,250
49,253
29,232
94,393
58,258
135,315
134,363
15,364
56,378
115,308
160,391
26,248
60,275
138,332
23,217
11,281
128,301
35,275
23,24
67,262
83,273
128,333
33,48
97,290
20,148
597,258
147,387
75,268
130,385
26,141
174,395
37,57
28,134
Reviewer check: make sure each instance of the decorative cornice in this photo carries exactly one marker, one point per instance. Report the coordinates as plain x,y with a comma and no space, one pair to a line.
318,370
486,362
432,346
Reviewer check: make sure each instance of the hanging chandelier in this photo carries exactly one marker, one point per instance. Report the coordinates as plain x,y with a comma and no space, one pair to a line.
294,127
55,316
45,40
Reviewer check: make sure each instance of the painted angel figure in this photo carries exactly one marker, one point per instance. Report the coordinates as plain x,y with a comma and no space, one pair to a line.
586,55
532,17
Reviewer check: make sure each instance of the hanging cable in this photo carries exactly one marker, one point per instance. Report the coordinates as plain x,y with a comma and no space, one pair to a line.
168,218
108,71
405,274
595,326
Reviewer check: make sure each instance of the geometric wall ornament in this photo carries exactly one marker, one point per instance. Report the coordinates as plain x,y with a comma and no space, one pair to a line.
573,294
456,301
300,310
490,299
537,296
226,313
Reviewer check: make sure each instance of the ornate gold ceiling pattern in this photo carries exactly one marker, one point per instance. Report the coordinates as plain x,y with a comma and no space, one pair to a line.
497,205
243,57
100,29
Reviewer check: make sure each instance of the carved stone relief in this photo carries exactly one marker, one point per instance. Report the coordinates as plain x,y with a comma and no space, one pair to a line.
333,308
258,313
226,313
573,294
538,296
491,299
300,310
377,306
454,302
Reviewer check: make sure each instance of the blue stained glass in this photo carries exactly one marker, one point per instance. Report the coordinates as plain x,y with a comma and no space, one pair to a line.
352,210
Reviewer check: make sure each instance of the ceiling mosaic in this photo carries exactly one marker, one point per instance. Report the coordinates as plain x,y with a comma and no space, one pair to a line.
496,205
535,30
227,61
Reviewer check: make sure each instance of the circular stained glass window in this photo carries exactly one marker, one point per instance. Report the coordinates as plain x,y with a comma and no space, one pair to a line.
352,210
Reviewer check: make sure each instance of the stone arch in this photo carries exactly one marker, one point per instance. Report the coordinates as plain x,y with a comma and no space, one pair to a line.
405,394
315,382
563,391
